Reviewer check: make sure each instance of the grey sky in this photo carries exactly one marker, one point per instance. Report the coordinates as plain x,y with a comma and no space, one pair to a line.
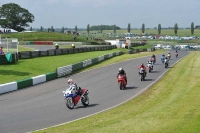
68,13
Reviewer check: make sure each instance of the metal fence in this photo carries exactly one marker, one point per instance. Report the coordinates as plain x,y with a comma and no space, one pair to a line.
10,45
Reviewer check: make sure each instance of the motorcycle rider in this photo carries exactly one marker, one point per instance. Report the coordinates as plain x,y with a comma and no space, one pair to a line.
121,71
150,63
77,89
176,53
142,66
56,46
154,57
169,55
163,57
167,60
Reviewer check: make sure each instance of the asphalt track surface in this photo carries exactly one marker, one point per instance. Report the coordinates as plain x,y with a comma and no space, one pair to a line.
47,47
43,105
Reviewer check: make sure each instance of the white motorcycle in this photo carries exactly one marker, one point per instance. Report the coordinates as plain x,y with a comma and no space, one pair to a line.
72,98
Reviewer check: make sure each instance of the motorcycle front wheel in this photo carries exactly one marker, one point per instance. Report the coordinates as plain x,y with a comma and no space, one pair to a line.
69,103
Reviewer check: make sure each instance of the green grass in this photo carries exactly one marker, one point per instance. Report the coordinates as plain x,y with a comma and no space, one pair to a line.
171,105
143,47
45,36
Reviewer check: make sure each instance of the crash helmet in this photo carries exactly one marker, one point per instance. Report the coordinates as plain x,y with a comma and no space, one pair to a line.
142,64
70,82
120,69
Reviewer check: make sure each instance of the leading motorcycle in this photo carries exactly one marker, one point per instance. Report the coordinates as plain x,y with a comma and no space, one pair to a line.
121,81
72,98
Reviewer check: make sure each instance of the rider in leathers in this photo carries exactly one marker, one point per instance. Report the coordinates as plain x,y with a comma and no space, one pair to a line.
142,66
121,71
150,63
78,89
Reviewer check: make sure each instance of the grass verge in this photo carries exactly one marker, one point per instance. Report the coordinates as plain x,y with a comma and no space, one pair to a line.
171,105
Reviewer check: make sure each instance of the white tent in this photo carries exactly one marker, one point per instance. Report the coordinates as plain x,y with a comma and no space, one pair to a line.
4,29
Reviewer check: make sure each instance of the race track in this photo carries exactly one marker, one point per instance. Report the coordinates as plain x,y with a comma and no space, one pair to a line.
43,105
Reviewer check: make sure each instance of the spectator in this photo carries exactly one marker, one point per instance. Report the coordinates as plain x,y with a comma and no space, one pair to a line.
1,51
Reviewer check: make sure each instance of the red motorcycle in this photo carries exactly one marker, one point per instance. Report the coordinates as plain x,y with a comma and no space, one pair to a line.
72,98
121,81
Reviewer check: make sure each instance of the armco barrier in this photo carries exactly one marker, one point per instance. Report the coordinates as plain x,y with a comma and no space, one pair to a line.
87,62
61,51
62,71
94,60
51,52
58,51
35,54
77,66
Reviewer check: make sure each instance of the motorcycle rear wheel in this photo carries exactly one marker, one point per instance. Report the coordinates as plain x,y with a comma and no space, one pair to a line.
85,100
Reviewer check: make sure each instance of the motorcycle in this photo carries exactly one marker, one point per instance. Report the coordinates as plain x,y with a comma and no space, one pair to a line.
169,56
153,60
162,59
142,74
176,54
72,98
56,47
150,67
121,81
166,63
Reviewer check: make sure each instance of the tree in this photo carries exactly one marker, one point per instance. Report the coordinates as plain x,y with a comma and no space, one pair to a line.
62,29
143,28
52,29
31,28
76,28
129,28
15,17
88,28
159,29
192,28
101,28
114,28
175,28
41,29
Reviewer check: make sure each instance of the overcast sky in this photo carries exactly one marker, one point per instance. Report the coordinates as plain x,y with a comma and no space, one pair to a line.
68,13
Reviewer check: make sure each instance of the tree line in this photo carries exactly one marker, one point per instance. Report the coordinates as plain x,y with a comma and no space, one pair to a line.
15,17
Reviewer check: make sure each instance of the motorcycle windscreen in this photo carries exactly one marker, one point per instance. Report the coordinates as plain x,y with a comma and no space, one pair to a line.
120,77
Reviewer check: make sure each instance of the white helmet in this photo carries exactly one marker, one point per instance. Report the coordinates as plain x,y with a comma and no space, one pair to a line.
70,81
120,69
